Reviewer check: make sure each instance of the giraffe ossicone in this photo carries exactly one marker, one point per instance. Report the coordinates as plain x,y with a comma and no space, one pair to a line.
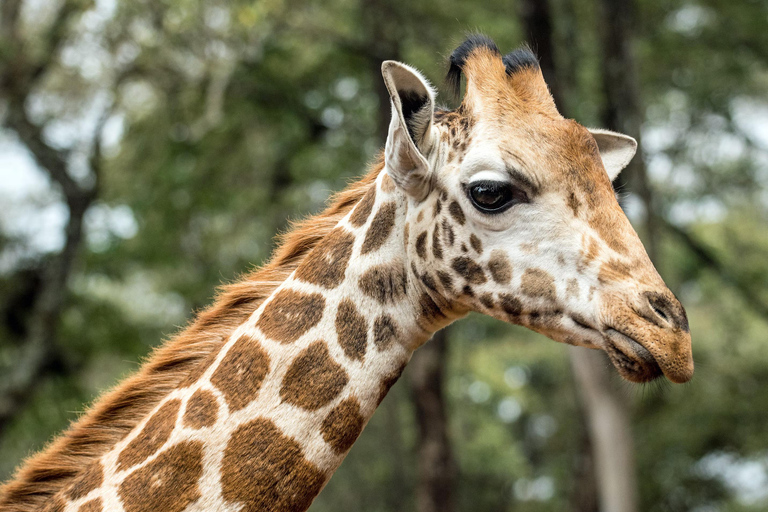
501,206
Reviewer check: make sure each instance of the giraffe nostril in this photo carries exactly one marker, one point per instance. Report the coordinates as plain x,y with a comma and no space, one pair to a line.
660,313
667,311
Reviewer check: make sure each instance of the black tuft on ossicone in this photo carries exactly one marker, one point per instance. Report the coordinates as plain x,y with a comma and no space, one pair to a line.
519,59
459,58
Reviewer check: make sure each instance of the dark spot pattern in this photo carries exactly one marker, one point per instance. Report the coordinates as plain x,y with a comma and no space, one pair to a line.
476,244
168,483
445,279
574,204
486,300
327,263
90,479
264,469
385,283
380,228
202,410
352,330
154,435
201,367
469,270
313,379
363,208
421,245
448,235
385,332
241,372
343,425
457,213
499,266
538,283
93,505
290,314
511,305
437,248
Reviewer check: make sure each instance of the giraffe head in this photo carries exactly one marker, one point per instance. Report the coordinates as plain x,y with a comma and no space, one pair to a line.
511,213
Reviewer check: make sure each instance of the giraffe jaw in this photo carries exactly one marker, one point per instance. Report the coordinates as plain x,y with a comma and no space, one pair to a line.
633,361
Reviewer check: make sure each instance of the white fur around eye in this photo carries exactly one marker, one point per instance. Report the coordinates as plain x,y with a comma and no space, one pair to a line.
488,176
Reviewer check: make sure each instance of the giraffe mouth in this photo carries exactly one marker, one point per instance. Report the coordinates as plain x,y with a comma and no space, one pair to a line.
633,361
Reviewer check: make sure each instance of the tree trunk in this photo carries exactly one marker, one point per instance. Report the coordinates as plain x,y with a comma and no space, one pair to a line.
610,463
623,110
437,467
610,432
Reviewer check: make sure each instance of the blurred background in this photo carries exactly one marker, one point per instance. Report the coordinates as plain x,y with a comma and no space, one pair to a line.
151,149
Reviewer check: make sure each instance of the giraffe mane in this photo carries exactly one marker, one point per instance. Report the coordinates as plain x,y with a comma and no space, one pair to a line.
114,414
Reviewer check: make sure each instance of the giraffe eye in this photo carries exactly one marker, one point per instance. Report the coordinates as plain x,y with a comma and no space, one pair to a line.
495,196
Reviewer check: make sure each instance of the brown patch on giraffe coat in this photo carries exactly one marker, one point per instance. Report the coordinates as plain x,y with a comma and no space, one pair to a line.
327,263
388,381
511,305
290,314
201,367
438,207
90,479
476,244
406,232
420,216
313,379
363,209
421,245
385,283
429,281
57,504
445,279
352,330
538,283
603,223
437,248
448,233
574,204
168,483
429,310
464,247
342,426
202,410
457,213
469,270
241,372
486,300
499,266
154,435
387,184
93,505
614,270
385,332
380,228
264,469
591,251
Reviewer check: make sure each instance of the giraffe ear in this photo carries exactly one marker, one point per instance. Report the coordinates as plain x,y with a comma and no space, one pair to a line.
616,150
410,135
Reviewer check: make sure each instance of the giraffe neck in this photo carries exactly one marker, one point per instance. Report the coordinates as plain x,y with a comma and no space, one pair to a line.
269,417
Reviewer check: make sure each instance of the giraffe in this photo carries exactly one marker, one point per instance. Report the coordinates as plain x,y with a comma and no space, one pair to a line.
501,206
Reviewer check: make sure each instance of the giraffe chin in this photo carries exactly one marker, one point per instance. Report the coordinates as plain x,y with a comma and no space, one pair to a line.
633,361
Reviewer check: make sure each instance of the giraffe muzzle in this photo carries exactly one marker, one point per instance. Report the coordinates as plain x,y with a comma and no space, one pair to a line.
650,339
